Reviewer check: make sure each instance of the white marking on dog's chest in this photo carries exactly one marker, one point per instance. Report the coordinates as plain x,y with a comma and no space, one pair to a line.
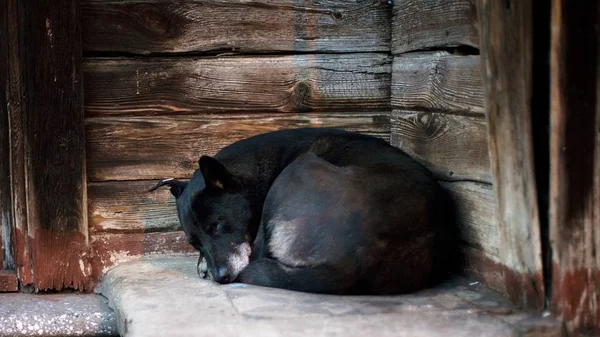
239,258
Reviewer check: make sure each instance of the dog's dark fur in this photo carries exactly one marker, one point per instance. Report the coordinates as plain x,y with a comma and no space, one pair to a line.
316,210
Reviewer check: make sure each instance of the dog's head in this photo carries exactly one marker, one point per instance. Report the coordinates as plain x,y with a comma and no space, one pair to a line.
215,214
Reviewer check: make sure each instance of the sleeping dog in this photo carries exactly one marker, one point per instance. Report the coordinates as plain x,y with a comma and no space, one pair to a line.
315,210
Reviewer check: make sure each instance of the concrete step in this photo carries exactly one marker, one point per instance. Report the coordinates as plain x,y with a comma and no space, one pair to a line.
164,297
56,315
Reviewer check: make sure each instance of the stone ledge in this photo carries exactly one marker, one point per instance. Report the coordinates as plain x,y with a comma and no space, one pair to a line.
56,315
163,296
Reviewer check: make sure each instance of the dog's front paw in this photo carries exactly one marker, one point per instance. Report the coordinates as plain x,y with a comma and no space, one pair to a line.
202,268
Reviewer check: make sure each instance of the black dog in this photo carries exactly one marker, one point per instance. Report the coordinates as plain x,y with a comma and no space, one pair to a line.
316,210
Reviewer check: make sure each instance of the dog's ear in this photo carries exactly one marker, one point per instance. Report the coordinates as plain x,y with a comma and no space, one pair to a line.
215,174
176,186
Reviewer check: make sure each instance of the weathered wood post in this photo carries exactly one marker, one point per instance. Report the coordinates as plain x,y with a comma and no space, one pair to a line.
575,164
47,144
506,32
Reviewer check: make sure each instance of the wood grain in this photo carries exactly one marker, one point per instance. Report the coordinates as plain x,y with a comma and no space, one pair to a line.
8,281
481,242
475,205
132,148
575,165
424,24
5,194
3,247
484,268
128,207
506,48
16,103
300,83
452,147
54,151
438,81
15,107
160,26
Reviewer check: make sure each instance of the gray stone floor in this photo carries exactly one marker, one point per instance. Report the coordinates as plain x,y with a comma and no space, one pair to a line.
164,297
56,315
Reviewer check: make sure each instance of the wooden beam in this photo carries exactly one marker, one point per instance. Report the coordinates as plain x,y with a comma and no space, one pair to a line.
159,26
5,195
15,109
575,164
299,83
424,24
47,138
506,49
155,147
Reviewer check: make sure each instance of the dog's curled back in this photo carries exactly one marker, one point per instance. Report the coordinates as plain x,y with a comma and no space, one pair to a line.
317,210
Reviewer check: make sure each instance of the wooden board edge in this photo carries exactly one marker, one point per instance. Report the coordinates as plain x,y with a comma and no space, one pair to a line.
8,281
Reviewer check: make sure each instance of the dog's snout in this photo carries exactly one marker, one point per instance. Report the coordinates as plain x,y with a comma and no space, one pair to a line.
222,275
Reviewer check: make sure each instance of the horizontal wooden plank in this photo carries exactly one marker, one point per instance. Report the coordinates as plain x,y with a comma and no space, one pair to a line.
425,24
128,207
8,281
112,249
452,147
475,205
160,26
299,83
438,81
134,148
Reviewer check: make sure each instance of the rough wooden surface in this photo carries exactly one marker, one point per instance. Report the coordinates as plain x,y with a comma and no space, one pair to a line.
160,26
2,248
438,81
575,164
484,267
475,210
506,48
127,87
15,107
453,147
132,148
54,151
8,281
475,206
424,24
128,207
5,195
112,249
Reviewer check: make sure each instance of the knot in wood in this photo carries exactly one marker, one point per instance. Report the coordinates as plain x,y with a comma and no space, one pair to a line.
153,19
337,15
428,123
300,97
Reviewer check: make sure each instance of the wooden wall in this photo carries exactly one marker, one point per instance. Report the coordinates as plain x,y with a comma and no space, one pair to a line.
439,117
168,81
